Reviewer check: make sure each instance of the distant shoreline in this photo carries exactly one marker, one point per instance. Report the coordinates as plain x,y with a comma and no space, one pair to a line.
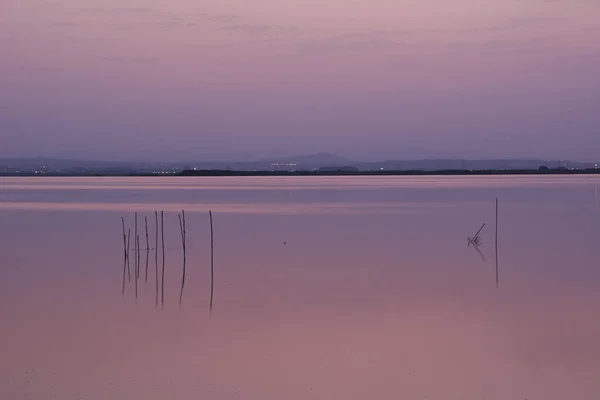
591,171
225,173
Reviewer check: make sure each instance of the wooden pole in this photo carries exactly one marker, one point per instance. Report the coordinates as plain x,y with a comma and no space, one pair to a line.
212,265
124,238
147,262
147,246
135,235
124,274
496,241
162,228
128,269
182,228
156,254
137,265
124,256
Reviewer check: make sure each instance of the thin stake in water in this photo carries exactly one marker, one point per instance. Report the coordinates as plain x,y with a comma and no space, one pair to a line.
162,228
128,241
212,265
137,265
135,252
124,274
147,246
183,232
496,240
156,254
125,248
124,238
139,259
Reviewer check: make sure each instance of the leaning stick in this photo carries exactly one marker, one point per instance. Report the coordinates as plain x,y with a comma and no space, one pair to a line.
471,240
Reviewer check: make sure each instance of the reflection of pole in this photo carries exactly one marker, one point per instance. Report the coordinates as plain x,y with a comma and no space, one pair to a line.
496,242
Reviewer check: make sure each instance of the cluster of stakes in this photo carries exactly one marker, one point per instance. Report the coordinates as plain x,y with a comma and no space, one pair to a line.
159,275
477,240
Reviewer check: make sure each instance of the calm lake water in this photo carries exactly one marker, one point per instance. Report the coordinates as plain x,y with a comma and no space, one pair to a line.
324,288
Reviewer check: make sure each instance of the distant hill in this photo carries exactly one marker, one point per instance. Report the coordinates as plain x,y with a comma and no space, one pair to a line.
318,160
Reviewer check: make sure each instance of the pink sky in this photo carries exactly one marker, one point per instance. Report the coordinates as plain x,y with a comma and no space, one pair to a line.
161,79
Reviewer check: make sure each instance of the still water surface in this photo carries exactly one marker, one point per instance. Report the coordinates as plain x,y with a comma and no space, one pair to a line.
325,288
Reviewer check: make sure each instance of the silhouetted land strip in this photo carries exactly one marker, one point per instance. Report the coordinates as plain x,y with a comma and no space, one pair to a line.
390,172
218,172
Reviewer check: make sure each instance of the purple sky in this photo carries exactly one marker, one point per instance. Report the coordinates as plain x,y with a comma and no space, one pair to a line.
214,79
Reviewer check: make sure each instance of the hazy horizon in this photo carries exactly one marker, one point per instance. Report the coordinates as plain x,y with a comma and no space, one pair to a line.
292,156
228,80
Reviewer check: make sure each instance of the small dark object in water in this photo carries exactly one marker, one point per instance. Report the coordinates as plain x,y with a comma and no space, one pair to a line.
476,240
284,243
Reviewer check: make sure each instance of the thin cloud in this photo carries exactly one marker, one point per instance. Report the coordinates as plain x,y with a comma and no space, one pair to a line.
223,18
121,26
122,10
65,24
373,40
358,42
253,29
135,18
122,18
240,24
131,60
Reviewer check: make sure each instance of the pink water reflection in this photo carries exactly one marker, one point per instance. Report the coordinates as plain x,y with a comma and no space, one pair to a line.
355,305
